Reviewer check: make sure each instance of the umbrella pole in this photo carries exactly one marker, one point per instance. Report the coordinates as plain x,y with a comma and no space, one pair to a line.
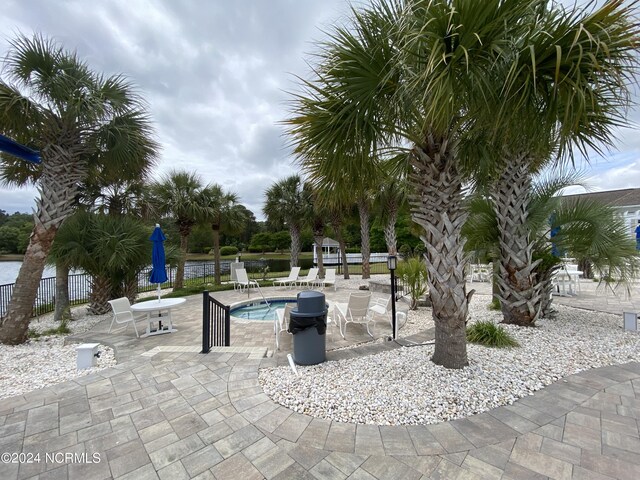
158,292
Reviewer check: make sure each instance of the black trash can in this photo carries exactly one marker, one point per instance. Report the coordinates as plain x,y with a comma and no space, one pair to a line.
308,324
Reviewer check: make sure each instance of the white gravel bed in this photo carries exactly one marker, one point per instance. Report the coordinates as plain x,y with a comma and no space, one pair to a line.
403,387
46,361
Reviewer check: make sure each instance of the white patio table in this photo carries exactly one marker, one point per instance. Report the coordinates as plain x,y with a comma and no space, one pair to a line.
564,276
163,308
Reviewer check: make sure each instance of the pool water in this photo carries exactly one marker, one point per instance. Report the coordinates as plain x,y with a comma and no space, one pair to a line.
260,310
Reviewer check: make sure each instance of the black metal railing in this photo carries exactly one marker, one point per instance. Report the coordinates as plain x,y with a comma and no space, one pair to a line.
80,283
216,323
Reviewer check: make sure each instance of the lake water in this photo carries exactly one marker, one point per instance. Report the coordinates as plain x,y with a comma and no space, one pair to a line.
9,272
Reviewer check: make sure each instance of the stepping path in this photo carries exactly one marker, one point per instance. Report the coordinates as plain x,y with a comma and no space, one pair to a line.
167,411
186,415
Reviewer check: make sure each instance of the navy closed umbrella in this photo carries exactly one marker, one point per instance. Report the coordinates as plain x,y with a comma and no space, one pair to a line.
158,263
14,148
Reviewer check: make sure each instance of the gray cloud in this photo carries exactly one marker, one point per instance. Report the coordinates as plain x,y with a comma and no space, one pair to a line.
214,73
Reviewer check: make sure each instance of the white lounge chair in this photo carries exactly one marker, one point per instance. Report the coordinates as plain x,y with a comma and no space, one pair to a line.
122,314
356,311
310,279
290,280
281,323
329,278
242,280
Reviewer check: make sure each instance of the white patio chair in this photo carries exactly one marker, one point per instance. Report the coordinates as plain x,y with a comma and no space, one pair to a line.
382,307
122,314
290,280
310,279
242,280
281,323
329,278
355,311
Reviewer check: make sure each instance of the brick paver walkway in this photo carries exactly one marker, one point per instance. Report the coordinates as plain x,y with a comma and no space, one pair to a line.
168,412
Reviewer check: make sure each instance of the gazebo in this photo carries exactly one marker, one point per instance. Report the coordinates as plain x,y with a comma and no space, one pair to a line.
330,252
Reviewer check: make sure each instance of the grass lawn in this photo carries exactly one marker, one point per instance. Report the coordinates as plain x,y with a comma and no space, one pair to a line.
249,256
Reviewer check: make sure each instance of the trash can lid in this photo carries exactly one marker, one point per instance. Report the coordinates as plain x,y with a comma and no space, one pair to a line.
311,302
310,294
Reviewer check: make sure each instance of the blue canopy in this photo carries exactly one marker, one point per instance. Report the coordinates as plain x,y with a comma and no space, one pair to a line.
158,262
14,148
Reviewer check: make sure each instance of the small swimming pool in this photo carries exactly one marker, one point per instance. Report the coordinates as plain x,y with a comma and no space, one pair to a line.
259,310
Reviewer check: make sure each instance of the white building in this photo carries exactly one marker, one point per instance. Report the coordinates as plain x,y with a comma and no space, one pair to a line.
626,202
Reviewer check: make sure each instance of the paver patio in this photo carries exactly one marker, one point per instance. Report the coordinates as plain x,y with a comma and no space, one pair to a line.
166,411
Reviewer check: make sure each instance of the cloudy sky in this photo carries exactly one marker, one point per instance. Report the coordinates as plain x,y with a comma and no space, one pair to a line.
215,74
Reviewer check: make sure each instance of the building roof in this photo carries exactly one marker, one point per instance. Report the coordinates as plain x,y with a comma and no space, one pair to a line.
329,242
616,198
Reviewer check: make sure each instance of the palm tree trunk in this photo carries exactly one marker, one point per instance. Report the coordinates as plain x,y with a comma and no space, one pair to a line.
294,231
184,243
546,289
390,237
130,289
16,322
437,206
335,220
100,295
365,245
216,253
519,294
62,309
61,175
317,239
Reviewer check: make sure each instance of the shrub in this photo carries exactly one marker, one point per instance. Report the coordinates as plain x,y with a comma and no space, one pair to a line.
495,304
229,250
405,251
419,250
490,335
413,272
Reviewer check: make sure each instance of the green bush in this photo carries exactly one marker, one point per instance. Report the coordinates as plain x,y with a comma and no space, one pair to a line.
229,250
413,272
405,251
419,250
490,335
495,305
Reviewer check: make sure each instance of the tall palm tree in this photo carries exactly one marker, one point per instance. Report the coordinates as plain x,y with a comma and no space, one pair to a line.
568,85
52,101
585,230
285,204
179,195
336,209
389,199
223,215
401,78
316,217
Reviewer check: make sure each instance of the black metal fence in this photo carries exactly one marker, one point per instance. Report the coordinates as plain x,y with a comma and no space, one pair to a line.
80,283
216,323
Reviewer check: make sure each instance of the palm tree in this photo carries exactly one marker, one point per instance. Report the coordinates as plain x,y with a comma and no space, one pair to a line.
573,94
315,216
586,230
336,212
402,78
285,204
222,214
179,194
389,199
51,101
113,250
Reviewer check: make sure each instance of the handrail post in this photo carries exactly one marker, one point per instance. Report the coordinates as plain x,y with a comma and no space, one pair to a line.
206,322
227,326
